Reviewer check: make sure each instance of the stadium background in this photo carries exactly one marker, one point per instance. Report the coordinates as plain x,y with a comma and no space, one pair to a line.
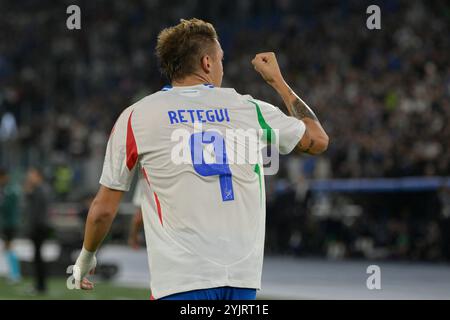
380,194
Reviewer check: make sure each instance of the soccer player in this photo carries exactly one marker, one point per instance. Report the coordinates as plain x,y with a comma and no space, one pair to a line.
205,232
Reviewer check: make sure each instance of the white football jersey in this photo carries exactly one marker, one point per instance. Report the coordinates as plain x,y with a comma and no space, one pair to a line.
203,198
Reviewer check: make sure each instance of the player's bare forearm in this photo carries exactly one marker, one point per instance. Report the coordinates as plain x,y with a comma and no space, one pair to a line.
136,225
138,222
296,106
101,215
315,140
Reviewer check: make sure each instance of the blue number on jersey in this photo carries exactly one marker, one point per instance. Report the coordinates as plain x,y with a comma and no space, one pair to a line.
219,168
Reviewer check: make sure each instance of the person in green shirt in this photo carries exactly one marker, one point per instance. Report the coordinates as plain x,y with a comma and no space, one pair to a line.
9,222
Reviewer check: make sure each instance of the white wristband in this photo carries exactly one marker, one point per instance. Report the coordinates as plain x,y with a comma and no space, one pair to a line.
86,255
85,263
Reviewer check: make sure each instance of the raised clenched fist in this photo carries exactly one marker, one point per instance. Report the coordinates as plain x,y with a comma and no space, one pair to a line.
267,65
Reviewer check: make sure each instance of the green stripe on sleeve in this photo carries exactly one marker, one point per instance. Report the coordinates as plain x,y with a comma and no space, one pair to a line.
257,170
268,132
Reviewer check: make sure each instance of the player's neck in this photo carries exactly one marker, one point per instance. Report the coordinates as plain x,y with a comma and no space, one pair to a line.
193,80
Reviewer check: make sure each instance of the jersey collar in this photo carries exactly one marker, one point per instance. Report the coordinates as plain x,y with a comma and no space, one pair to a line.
170,87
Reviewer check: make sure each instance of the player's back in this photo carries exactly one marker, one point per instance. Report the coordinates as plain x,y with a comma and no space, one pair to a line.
198,149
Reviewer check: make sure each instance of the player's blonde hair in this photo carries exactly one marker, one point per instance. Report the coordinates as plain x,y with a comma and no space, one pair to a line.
180,48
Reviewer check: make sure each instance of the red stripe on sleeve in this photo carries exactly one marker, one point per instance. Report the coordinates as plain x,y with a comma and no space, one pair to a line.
158,206
132,152
145,175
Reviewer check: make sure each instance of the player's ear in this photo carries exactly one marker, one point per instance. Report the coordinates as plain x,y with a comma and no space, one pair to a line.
206,63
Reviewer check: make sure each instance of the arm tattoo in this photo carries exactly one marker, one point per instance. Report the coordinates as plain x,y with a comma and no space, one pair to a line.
311,144
300,110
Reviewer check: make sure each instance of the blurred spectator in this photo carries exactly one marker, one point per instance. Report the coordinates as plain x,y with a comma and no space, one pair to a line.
8,136
37,221
9,222
8,127
62,184
444,223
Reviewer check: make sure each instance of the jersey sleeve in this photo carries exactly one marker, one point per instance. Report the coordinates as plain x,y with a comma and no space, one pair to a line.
121,155
278,127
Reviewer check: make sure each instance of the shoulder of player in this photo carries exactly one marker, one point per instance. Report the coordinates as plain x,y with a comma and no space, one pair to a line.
139,105
256,103
222,90
246,99
242,98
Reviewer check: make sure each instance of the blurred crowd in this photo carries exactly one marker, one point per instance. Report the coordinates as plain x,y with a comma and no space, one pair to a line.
382,95
377,226
24,211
